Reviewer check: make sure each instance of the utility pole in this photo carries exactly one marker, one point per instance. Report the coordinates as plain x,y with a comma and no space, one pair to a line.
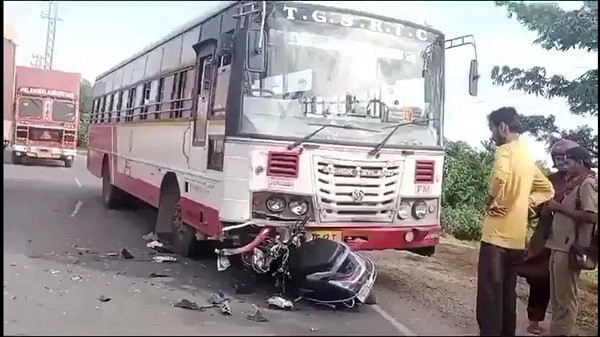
52,17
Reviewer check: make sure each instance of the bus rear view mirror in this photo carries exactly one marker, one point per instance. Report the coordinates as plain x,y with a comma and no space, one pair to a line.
256,60
473,78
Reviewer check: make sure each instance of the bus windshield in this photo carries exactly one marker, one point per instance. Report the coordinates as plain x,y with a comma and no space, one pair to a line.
326,67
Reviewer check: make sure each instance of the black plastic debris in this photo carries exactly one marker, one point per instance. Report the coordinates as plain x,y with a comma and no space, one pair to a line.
189,305
257,316
157,275
126,254
103,298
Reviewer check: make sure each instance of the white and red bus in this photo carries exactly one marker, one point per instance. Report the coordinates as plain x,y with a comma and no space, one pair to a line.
260,113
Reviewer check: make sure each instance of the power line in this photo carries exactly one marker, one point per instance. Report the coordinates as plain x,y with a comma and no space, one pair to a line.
52,17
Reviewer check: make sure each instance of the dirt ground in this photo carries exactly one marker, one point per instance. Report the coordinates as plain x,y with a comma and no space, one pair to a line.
447,281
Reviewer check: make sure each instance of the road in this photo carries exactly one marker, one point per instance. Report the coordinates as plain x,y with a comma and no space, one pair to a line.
57,237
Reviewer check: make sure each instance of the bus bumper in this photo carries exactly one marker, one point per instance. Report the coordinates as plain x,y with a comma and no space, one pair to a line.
380,238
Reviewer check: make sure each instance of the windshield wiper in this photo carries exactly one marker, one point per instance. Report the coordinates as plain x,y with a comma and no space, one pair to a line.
378,147
322,127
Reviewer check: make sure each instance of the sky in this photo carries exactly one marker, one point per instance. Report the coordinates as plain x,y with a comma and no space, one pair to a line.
93,36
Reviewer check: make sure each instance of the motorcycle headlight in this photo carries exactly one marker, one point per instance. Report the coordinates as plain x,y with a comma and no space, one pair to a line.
275,204
419,209
298,206
403,211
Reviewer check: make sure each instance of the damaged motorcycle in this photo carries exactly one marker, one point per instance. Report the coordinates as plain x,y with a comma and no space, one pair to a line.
318,270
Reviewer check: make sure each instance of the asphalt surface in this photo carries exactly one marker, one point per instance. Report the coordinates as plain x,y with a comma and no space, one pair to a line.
57,263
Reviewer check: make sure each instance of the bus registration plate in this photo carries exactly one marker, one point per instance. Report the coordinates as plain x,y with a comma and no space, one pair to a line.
329,235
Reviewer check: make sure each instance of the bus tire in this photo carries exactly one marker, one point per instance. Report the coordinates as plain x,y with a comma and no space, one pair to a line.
69,162
112,196
170,226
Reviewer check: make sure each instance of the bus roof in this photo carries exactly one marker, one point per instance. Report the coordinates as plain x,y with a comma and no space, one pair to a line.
223,5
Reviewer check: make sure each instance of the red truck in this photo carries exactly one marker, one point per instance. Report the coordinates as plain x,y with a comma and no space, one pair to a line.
46,115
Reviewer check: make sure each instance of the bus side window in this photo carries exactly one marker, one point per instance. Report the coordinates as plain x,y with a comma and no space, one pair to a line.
119,106
216,146
102,108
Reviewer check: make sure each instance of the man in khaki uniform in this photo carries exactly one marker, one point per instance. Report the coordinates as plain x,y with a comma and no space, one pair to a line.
577,211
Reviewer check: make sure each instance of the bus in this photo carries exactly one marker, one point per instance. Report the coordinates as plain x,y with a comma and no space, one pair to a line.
258,114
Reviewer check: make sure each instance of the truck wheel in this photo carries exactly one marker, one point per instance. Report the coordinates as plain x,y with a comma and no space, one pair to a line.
68,162
16,160
112,196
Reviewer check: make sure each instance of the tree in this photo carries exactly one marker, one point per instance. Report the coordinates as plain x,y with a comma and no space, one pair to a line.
85,107
560,30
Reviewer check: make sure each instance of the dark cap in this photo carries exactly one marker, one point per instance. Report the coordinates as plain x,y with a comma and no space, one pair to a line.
580,154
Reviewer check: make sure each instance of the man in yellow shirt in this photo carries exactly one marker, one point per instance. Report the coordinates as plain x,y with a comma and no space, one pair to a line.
517,184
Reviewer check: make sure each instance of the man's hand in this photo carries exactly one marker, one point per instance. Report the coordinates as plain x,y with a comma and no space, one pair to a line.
495,210
554,206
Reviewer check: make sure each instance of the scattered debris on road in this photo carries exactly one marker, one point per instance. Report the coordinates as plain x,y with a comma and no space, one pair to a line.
161,259
103,298
126,254
185,304
150,237
157,275
280,302
154,244
219,299
257,316
76,278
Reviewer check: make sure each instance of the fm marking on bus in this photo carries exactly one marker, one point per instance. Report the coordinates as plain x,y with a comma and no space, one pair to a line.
422,189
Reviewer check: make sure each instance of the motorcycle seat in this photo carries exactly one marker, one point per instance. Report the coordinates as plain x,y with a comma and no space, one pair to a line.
317,255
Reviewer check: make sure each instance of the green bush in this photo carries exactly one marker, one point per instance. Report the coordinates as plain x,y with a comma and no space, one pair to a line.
464,223
467,173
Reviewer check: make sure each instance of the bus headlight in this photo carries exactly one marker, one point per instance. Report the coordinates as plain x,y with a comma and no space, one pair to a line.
298,206
403,211
275,204
419,209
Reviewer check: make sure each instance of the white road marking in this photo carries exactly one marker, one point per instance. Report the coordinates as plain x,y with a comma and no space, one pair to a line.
77,207
399,326
78,182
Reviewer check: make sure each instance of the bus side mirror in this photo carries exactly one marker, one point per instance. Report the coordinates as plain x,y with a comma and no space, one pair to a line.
256,60
473,78
226,41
